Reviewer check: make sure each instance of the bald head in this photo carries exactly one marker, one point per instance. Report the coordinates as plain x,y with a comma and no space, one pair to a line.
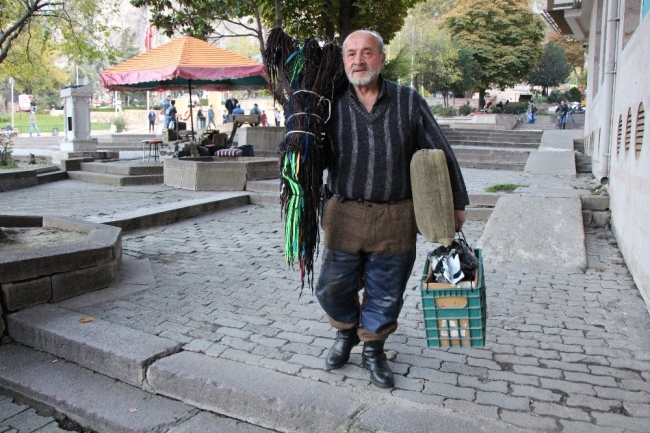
363,58
367,33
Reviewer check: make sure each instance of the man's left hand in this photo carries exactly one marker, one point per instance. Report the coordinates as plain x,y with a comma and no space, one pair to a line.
459,217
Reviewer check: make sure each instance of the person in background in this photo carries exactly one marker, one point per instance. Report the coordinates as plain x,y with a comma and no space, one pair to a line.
238,110
211,118
278,117
152,121
32,123
231,104
165,109
263,119
255,109
200,118
171,111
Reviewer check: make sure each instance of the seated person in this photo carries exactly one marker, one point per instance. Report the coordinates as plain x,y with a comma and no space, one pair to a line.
255,109
238,110
8,130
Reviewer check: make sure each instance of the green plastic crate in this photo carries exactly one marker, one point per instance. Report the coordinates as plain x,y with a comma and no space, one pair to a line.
454,316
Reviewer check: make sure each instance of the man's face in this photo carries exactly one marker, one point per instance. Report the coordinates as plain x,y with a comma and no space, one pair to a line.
362,58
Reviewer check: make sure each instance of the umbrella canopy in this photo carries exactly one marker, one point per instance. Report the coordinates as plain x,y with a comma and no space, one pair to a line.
182,62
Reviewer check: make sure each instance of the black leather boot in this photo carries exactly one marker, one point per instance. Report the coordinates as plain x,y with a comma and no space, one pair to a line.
374,359
339,354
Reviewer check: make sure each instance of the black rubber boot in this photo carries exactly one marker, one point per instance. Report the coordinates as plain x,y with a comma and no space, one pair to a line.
374,359
339,354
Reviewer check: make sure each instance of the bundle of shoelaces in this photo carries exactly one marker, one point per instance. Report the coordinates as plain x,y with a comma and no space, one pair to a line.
310,77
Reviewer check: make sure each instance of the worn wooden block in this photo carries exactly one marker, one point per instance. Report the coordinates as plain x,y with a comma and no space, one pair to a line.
432,196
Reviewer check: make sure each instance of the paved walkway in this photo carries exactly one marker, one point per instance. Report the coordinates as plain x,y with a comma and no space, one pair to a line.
565,351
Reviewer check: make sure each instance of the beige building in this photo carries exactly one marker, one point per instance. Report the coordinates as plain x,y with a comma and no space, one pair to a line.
616,134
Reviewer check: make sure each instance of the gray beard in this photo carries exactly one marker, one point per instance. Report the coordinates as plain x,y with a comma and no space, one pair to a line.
365,80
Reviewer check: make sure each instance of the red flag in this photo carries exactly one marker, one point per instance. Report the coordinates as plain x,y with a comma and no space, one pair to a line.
148,37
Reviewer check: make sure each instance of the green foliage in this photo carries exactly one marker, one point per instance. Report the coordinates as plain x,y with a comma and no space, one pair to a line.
120,124
398,68
71,27
469,71
322,19
465,110
504,37
552,69
502,187
436,67
442,111
557,96
574,95
6,148
515,107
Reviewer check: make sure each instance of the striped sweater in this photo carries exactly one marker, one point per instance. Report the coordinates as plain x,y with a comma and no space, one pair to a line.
369,154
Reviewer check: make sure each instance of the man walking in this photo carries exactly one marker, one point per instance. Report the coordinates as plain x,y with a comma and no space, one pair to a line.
166,104
369,221
211,118
32,123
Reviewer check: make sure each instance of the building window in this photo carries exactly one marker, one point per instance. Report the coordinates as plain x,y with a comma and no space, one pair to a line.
628,131
640,128
619,136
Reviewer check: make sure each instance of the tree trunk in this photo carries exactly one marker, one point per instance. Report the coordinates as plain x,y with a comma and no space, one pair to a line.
278,13
345,10
481,99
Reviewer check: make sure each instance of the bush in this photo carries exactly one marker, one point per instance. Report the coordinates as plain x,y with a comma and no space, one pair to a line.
204,102
557,96
438,110
574,95
464,110
120,124
515,108
6,148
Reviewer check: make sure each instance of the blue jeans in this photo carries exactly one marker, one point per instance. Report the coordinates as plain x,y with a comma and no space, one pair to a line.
385,279
32,126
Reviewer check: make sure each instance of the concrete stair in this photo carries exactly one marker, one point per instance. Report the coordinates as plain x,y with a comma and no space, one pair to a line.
264,191
50,174
119,174
494,150
114,379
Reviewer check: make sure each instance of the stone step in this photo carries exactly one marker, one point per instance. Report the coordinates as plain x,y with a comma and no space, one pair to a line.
536,231
92,400
512,134
130,169
52,176
478,152
268,185
171,212
112,350
493,143
115,179
511,166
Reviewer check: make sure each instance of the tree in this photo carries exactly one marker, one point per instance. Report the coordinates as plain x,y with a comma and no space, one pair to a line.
574,50
504,37
436,67
399,67
71,26
552,69
322,19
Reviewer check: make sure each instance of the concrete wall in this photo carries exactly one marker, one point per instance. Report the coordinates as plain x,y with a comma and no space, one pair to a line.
629,146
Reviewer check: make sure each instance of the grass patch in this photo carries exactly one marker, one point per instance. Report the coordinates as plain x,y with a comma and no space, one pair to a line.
502,187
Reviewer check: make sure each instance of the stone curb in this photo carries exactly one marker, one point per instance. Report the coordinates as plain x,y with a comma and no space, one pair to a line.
90,399
253,394
113,350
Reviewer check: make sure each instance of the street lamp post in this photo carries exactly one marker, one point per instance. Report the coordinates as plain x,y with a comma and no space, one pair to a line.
11,81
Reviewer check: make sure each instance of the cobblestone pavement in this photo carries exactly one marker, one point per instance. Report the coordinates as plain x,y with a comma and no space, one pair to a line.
19,418
565,351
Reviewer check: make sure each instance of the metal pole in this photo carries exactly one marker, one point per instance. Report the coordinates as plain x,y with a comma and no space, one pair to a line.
189,82
13,110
